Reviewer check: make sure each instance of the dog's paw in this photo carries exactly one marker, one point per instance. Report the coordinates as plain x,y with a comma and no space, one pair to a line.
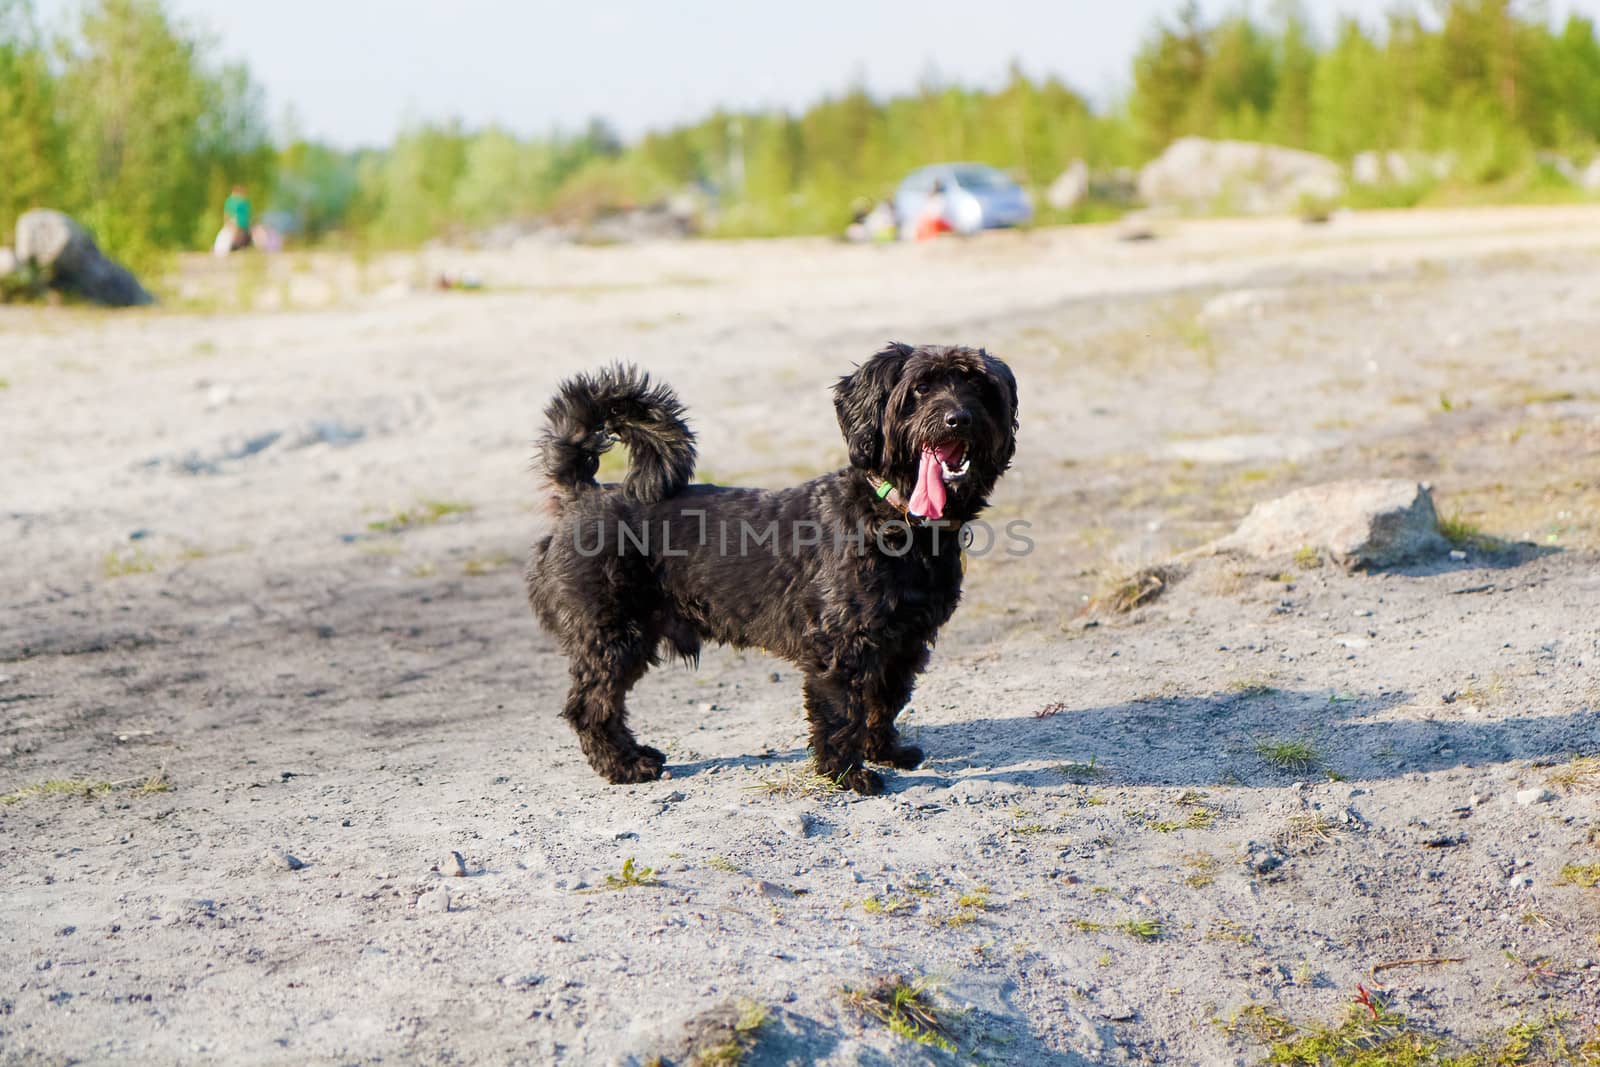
905,757
642,765
867,783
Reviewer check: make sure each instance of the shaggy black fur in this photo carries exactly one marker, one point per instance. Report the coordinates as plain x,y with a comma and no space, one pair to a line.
656,565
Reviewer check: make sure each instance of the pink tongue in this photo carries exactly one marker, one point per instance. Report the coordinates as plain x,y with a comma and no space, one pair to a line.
927,499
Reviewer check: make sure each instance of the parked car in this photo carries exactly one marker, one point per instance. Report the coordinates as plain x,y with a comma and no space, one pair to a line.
978,197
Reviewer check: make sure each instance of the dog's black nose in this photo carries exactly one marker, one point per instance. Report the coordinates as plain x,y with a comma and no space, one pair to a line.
958,420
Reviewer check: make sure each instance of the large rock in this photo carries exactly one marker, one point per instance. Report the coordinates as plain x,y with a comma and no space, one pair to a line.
8,261
1376,523
1071,188
1589,177
65,257
1197,174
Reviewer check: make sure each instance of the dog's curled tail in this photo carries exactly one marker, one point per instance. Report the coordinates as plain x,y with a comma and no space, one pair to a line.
589,410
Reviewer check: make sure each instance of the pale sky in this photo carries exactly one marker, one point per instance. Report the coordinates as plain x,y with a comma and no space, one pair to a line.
353,71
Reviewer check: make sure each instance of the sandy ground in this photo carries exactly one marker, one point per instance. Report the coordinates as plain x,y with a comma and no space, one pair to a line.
270,559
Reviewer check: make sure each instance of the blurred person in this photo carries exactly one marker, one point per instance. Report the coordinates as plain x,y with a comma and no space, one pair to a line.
857,231
880,222
236,232
933,219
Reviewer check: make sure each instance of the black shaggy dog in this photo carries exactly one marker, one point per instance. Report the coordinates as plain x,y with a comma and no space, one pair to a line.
848,576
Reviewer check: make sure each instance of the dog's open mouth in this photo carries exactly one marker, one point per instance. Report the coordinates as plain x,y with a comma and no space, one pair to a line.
941,465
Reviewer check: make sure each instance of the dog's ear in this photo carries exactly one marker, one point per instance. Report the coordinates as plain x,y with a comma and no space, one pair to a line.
859,400
1006,383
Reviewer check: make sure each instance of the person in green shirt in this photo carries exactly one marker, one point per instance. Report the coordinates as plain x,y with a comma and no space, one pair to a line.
235,223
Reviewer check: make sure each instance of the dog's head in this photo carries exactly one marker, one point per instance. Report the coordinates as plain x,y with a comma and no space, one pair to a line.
913,415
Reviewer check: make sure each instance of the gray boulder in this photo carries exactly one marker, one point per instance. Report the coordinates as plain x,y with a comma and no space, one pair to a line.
1376,523
1196,174
1070,189
63,256
1589,177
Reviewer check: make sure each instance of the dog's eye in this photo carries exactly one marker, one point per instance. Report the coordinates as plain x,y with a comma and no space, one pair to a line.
921,388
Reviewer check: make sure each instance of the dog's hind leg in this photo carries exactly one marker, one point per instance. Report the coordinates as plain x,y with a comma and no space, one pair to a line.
596,708
837,709
886,695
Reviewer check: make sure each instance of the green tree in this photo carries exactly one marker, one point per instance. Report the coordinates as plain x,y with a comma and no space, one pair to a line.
152,136
1167,72
1290,119
30,135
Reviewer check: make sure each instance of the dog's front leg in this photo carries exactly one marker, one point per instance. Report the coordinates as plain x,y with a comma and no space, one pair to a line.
886,696
836,706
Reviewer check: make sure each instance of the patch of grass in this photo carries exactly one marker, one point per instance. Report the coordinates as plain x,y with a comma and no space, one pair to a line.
724,1036
722,863
886,906
1081,772
1584,874
1288,755
1465,534
1373,1036
425,513
1143,929
58,787
1307,830
977,898
970,907
906,1008
632,876
1138,589
1204,867
121,564
1362,1040
1252,687
1228,930
1484,692
1307,558
155,783
1198,819
1581,775
1548,396
797,782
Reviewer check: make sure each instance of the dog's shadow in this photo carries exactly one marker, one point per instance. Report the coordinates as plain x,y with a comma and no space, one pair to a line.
1258,737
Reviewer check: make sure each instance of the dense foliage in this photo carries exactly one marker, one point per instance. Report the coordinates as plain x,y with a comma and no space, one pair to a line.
123,122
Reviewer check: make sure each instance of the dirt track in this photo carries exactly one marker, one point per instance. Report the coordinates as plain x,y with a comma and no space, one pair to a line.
319,641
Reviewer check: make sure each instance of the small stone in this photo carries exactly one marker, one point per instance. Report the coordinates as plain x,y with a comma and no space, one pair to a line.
794,823
521,981
773,891
456,866
285,860
434,900
673,797
775,677
707,706
1457,555
1536,795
